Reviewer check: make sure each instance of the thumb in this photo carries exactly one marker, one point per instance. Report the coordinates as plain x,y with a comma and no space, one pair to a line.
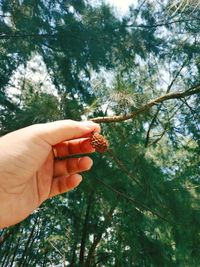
59,131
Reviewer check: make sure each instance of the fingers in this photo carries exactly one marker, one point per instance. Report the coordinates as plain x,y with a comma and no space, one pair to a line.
59,131
77,146
71,166
65,174
64,184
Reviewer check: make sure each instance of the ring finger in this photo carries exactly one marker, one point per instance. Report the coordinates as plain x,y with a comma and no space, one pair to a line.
71,166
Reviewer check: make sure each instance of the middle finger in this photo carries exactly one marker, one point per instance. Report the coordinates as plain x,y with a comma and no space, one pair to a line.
72,147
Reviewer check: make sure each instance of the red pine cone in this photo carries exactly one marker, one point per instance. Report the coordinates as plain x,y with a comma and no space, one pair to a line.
99,142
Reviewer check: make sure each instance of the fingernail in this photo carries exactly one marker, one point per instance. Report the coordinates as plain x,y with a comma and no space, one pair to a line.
77,179
90,163
74,181
85,163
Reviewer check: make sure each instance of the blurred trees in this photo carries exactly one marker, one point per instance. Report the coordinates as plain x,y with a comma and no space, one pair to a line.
139,205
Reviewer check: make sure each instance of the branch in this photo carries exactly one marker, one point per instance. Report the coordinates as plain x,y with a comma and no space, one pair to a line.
122,167
161,24
159,108
165,127
159,138
192,91
192,112
5,16
27,35
137,203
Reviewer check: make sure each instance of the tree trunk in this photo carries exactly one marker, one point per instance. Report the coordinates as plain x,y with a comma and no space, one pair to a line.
23,259
7,256
72,264
30,256
44,264
85,230
5,235
16,248
98,237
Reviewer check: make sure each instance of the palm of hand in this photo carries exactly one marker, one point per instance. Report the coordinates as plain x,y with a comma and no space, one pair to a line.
30,194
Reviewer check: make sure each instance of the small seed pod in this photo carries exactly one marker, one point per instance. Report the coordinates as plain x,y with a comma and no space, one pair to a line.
99,142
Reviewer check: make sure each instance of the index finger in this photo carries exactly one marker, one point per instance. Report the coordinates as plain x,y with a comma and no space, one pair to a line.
60,131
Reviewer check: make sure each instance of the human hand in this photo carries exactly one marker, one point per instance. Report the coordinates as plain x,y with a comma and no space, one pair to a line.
29,173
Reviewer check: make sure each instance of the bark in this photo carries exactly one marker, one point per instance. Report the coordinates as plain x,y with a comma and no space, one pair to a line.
16,248
4,237
7,255
6,233
29,256
179,95
159,108
45,260
85,231
21,264
98,237
73,260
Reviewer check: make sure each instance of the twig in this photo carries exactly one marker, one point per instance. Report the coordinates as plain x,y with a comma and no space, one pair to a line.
161,24
133,200
159,108
132,115
192,112
51,243
27,35
121,166
165,127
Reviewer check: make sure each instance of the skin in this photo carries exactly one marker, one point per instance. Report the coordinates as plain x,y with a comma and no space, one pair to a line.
29,173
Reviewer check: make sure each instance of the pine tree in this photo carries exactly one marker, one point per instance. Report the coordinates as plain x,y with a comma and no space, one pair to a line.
139,205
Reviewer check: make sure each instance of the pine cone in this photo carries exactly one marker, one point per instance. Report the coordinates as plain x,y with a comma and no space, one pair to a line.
99,142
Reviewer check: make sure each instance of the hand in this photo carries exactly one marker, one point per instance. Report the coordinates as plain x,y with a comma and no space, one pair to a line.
29,173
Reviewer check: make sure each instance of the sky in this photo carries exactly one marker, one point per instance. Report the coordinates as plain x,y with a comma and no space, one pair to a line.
121,5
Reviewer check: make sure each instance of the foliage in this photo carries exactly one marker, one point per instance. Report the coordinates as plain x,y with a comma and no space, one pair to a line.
139,205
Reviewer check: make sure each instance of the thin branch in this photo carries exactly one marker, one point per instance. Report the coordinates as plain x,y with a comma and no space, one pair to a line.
159,108
158,139
179,95
151,125
139,9
51,243
121,166
52,48
190,108
187,187
25,35
131,199
176,76
192,111
53,35
5,16
161,24
165,127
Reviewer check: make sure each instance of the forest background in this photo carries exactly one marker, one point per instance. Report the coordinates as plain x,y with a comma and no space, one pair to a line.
138,76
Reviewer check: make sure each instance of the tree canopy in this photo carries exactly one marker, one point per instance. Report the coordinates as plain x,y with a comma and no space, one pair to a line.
139,77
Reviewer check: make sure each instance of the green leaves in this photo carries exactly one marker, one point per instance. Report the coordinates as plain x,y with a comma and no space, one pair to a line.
139,205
